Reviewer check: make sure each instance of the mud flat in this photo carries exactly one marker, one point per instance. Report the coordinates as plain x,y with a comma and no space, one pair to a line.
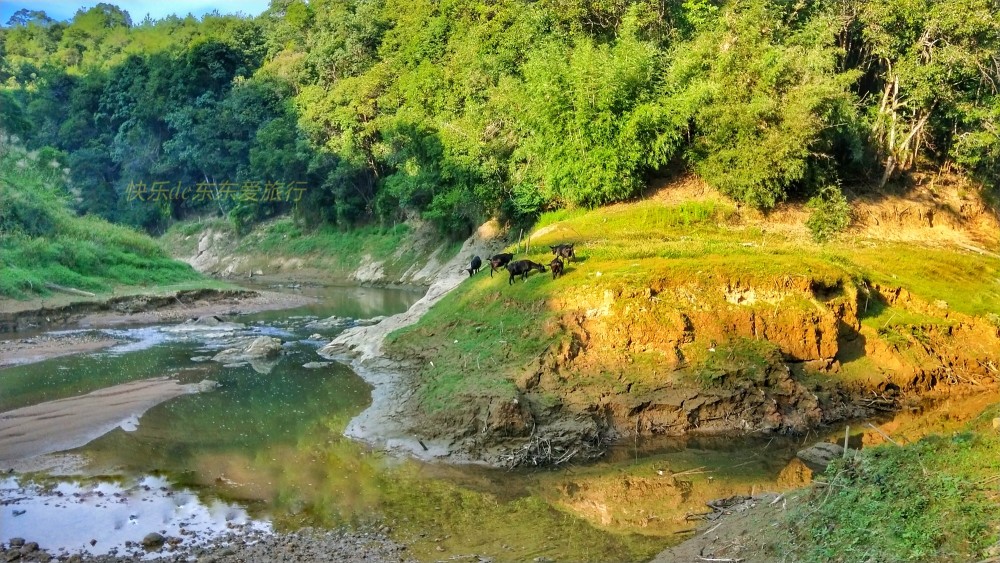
118,311
143,309
35,349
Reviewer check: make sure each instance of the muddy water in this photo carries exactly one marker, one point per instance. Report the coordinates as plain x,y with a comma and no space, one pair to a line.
266,450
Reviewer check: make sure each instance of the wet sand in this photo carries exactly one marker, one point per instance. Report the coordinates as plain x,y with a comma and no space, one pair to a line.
73,422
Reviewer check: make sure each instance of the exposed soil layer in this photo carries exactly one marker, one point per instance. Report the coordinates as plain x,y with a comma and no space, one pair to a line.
772,356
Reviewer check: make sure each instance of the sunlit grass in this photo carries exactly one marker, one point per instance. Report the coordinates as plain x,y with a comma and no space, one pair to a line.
932,500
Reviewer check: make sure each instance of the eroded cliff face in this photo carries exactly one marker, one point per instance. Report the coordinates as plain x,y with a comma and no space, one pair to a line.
716,357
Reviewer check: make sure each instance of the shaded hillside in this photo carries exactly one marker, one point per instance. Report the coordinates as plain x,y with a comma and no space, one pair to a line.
43,242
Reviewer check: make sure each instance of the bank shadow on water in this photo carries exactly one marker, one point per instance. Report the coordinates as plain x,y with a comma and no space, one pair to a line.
346,301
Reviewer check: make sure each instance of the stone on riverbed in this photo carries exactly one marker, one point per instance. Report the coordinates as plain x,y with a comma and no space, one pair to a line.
259,348
260,352
316,365
819,455
210,323
330,322
153,540
343,322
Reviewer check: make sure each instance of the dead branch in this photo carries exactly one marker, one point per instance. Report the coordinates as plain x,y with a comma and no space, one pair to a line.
69,290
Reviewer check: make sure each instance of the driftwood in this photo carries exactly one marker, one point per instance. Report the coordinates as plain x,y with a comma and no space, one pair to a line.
69,290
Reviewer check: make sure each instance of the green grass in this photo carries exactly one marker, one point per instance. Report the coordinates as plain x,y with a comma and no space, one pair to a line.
41,241
285,236
967,282
933,500
479,334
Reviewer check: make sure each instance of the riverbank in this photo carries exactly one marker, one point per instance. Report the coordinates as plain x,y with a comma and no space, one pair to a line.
406,255
900,476
160,305
684,315
385,422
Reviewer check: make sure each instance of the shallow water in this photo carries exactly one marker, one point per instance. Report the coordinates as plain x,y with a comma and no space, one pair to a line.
266,448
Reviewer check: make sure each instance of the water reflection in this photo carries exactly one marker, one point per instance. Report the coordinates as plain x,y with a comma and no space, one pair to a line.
101,517
273,443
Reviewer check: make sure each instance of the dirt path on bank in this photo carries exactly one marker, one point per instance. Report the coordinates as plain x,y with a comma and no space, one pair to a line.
741,532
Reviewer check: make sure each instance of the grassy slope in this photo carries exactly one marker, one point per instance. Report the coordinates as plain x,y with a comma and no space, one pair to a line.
932,500
42,241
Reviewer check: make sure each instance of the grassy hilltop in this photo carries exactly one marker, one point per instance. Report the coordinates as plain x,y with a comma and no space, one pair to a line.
698,270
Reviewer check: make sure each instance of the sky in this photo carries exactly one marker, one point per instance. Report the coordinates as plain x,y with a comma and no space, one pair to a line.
64,9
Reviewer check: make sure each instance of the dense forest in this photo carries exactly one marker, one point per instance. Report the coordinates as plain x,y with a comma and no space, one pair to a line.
360,111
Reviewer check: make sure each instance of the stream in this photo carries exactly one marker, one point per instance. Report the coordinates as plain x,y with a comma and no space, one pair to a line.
265,450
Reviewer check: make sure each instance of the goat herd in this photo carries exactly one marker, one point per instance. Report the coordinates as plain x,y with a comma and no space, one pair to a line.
524,267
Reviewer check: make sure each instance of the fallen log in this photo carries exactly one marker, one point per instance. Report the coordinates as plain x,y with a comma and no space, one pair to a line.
69,290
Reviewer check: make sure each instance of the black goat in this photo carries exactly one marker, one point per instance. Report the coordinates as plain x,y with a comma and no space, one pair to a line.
477,263
564,251
499,261
521,268
557,267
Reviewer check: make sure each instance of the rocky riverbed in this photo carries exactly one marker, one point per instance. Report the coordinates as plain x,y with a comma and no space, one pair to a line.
237,546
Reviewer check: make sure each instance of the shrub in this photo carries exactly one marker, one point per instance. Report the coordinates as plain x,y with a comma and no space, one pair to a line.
830,213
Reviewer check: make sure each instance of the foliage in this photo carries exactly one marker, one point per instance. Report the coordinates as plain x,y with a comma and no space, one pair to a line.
457,111
830,213
767,102
932,76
